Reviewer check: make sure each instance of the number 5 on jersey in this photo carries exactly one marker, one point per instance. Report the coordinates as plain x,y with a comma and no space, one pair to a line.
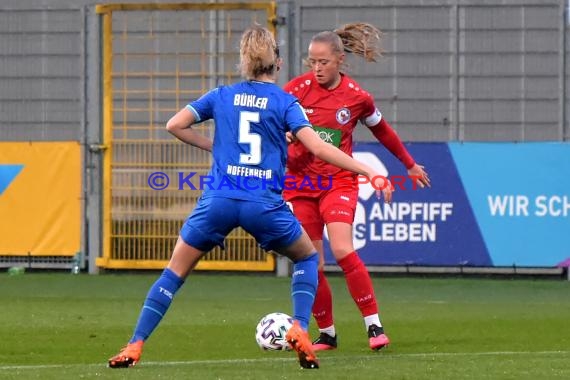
246,137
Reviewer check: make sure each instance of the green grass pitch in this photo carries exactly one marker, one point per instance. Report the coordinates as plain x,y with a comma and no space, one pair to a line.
63,326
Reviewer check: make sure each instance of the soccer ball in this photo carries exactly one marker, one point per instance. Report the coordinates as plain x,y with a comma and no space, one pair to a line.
271,330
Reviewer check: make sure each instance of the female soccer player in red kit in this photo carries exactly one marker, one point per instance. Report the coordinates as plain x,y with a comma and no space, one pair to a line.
334,104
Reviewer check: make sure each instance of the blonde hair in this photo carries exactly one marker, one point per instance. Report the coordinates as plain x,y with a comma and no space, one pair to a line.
360,38
258,52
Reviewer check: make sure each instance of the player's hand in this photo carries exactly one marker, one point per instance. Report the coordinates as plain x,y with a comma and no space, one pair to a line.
383,187
290,137
419,175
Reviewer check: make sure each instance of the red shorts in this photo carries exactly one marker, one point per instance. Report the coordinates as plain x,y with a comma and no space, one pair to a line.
318,208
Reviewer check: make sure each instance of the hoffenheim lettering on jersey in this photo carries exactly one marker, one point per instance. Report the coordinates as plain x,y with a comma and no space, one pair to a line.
248,100
244,171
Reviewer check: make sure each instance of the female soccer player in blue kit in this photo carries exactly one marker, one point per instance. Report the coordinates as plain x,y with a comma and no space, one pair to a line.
249,154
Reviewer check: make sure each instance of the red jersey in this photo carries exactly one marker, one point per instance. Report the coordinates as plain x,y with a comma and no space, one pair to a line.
334,114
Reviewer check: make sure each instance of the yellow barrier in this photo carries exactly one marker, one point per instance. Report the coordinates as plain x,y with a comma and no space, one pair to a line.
40,198
156,58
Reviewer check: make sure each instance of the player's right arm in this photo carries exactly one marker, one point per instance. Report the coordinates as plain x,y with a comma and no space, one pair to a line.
331,154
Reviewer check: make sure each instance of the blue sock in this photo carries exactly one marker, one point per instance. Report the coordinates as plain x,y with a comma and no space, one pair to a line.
303,288
156,304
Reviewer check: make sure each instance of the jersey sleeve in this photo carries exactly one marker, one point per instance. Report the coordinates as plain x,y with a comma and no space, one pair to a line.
203,107
371,114
295,117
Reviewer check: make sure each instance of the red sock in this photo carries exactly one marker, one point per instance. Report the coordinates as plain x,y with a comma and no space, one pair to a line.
359,284
322,308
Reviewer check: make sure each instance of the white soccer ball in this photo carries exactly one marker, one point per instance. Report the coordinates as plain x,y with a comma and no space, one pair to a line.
271,330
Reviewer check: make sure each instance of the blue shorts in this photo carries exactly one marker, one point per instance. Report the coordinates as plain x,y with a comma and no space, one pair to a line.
272,225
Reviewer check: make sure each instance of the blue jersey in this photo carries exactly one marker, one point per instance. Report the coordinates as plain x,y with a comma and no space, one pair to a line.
249,150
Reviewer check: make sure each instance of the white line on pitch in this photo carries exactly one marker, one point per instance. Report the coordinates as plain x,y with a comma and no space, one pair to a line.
277,359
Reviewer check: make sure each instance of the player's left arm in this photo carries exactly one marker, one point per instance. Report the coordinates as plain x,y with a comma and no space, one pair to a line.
386,135
180,125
